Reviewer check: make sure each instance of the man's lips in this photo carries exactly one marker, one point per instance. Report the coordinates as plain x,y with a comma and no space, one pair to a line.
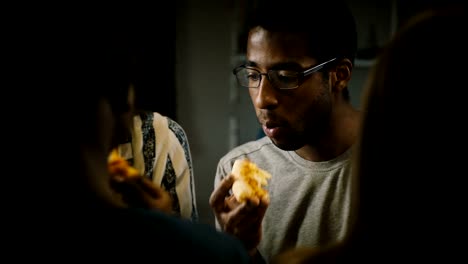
270,132
271,129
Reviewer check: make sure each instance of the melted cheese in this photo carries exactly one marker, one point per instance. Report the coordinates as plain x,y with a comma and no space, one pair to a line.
250,180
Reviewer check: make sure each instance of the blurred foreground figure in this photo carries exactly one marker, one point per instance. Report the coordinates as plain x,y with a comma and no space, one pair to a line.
81,101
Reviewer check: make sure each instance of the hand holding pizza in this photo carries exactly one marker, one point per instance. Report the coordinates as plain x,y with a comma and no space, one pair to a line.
134,189
241,213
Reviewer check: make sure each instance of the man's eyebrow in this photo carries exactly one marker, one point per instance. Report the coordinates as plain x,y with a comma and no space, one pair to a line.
282,65
250,64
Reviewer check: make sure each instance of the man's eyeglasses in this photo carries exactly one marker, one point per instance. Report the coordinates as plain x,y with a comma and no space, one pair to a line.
281,79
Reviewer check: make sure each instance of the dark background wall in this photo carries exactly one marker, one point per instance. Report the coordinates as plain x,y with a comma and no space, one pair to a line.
156,33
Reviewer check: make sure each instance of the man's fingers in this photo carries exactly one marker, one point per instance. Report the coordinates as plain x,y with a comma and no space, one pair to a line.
231,203
219,194
245,213
263,205
245,222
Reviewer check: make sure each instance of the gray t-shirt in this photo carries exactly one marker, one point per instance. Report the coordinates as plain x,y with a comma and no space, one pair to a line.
309,201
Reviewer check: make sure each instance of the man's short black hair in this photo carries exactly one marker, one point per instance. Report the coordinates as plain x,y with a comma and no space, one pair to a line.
328,25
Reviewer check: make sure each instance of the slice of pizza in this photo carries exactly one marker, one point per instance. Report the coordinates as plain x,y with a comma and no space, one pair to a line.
250,180
117,165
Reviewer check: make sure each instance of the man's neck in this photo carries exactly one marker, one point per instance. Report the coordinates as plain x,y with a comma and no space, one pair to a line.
341,135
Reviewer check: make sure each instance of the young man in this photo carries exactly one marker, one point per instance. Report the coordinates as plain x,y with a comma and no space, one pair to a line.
300,58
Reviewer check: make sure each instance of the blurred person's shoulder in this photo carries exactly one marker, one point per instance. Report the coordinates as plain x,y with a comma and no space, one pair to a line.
183,239
144,234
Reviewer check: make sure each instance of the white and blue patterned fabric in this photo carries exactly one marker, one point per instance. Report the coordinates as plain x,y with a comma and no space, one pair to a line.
159,149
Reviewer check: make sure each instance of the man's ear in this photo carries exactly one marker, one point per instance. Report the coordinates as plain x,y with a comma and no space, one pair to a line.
341,75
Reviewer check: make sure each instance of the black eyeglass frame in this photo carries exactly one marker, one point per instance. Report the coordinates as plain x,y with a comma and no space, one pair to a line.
300,75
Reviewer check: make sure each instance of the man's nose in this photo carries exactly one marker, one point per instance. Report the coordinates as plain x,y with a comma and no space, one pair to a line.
265,96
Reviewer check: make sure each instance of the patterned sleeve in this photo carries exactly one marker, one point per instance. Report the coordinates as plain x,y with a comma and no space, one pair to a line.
159,149
182,138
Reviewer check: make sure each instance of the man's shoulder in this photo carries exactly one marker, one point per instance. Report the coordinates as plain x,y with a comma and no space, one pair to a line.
250,149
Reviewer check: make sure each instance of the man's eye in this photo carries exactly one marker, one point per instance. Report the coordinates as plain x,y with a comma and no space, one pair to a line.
254,76
286,74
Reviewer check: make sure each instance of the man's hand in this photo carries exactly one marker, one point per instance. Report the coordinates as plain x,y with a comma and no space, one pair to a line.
243,220
140,192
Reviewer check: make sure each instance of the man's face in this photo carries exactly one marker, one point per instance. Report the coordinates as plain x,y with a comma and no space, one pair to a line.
295,117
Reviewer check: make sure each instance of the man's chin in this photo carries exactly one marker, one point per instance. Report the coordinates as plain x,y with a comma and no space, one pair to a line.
287,145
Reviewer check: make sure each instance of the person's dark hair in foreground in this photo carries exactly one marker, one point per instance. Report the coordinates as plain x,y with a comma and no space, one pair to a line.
83,103
408,195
